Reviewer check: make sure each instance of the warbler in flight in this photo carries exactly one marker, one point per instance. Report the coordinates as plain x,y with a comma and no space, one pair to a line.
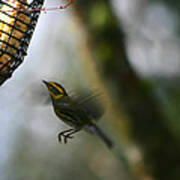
73,114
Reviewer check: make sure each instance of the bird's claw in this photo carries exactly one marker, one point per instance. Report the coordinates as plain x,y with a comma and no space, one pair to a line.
65,136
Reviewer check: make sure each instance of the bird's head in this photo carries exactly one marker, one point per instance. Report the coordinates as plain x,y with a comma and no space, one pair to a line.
55,90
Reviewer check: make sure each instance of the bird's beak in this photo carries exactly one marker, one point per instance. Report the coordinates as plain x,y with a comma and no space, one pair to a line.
45,82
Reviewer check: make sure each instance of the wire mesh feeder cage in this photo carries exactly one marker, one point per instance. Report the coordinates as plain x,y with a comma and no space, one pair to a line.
18,19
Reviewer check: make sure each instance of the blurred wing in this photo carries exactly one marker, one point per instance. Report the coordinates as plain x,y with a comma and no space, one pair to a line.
90,104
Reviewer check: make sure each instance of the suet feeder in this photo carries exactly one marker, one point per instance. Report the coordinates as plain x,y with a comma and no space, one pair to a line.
18,19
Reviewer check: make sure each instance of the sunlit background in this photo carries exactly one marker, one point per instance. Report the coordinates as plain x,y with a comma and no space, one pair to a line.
61,51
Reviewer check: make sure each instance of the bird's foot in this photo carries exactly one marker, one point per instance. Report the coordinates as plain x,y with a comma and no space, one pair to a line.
67,135
64,136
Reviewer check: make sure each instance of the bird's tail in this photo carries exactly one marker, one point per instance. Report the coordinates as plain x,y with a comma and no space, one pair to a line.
96,130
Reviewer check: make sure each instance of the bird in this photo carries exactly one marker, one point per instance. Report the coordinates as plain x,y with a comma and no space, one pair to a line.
73,113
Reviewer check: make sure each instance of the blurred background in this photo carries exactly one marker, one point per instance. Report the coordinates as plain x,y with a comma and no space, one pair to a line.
126,50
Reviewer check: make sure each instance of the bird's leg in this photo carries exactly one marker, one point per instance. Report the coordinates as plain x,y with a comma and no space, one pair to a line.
62,134
67,136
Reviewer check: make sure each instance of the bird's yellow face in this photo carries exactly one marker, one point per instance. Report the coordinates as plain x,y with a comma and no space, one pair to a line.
55,90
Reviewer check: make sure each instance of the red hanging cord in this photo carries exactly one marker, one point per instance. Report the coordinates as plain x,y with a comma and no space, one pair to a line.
46,9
